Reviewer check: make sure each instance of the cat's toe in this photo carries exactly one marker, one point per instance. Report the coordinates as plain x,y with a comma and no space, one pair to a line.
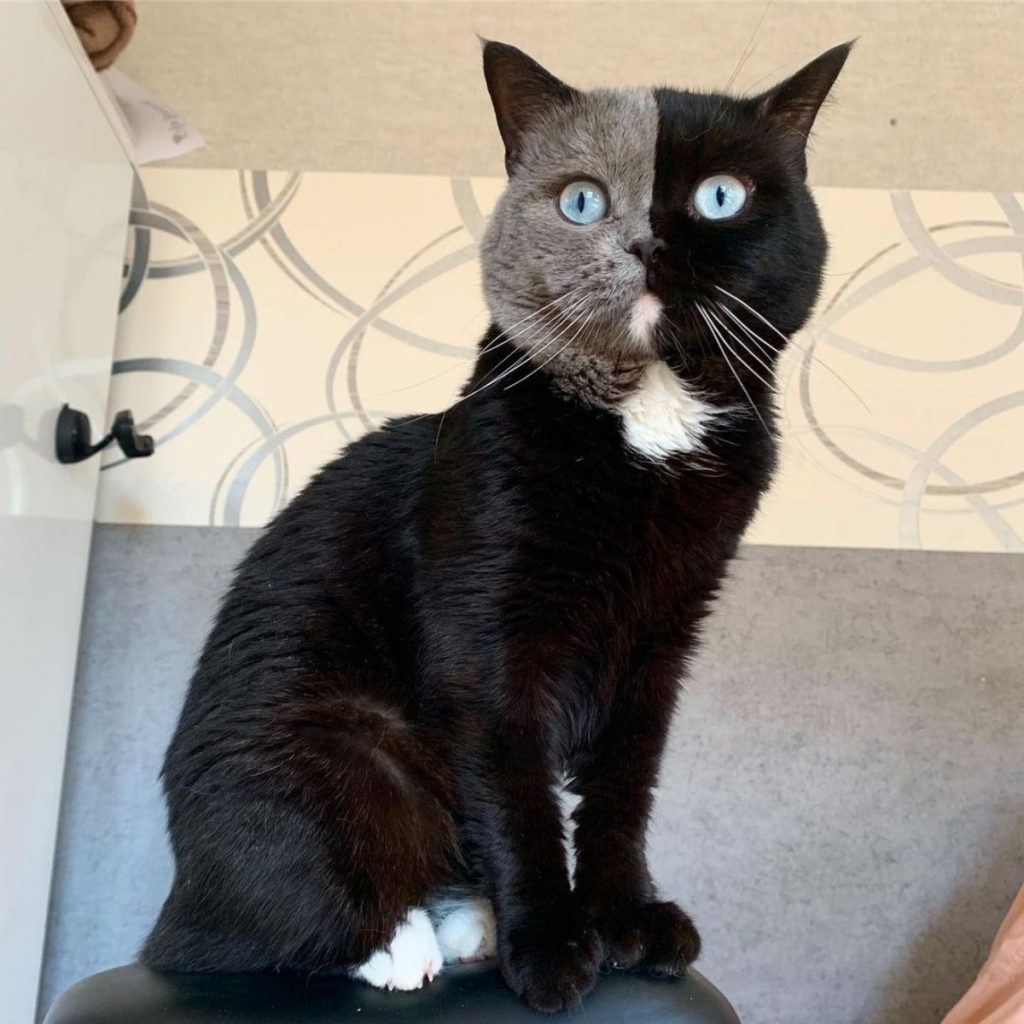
412,957
552,973
658,937
377,970
626,948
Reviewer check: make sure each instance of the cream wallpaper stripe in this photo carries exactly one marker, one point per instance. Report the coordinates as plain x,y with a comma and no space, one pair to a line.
270,318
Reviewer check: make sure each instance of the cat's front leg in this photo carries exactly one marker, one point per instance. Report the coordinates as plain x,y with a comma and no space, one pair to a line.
548,950
612,882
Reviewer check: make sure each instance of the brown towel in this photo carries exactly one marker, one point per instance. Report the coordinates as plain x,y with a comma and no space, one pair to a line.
104,26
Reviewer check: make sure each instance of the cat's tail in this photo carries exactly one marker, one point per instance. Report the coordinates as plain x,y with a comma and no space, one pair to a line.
302,838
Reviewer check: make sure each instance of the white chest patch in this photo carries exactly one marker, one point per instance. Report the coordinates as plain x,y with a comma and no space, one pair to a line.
661,417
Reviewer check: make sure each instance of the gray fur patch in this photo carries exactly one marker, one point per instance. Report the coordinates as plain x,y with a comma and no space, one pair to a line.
550,283
594,380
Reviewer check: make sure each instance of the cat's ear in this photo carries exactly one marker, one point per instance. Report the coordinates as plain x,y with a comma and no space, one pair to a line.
794,103
520,91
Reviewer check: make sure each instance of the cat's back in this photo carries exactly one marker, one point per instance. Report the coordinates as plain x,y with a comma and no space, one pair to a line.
371,487
337,554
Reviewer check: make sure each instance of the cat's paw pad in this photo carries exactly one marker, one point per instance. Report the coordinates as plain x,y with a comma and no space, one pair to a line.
411,957
658,937
466,931
552,969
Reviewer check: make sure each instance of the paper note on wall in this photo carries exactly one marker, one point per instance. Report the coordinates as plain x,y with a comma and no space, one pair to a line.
158,131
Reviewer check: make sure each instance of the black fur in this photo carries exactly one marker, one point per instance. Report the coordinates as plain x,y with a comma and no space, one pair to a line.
455,614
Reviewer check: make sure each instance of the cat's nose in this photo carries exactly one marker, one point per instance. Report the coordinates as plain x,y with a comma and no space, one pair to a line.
647,250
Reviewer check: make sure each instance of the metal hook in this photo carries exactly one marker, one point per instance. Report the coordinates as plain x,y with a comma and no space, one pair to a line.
74,436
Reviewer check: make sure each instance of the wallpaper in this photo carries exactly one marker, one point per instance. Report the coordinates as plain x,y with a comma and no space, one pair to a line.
269,318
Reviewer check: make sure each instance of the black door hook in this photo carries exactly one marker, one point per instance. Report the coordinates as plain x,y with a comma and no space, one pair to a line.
74,436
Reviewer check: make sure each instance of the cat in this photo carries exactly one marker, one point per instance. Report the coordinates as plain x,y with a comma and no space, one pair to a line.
466,611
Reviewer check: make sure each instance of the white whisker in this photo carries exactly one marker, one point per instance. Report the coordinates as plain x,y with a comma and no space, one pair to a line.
551,318
720,341
782,353
554,321
767,383
746,305
555,355
489,347
560,316
526,357
739,341
807,352
547,305
749,48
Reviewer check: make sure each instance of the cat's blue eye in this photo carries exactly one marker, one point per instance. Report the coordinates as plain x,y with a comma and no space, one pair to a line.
583,202
719,197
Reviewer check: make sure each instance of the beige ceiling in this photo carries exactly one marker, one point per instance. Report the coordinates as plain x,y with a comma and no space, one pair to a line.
932,98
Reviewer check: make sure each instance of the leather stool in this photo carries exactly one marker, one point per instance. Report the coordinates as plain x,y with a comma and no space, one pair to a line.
470,994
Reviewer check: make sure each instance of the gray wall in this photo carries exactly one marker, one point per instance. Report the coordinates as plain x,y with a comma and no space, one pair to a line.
842,807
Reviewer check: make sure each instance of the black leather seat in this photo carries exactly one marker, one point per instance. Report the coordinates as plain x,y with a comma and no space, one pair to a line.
472,994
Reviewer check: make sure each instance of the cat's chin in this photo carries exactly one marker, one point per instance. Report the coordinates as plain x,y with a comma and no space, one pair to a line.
644,317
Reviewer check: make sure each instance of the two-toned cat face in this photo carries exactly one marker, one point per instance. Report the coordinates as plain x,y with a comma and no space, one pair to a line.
636,221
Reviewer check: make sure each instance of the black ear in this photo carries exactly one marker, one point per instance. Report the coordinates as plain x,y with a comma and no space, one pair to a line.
520,90
794,103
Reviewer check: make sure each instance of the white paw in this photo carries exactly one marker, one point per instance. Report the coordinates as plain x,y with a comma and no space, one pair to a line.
412,955
466,931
